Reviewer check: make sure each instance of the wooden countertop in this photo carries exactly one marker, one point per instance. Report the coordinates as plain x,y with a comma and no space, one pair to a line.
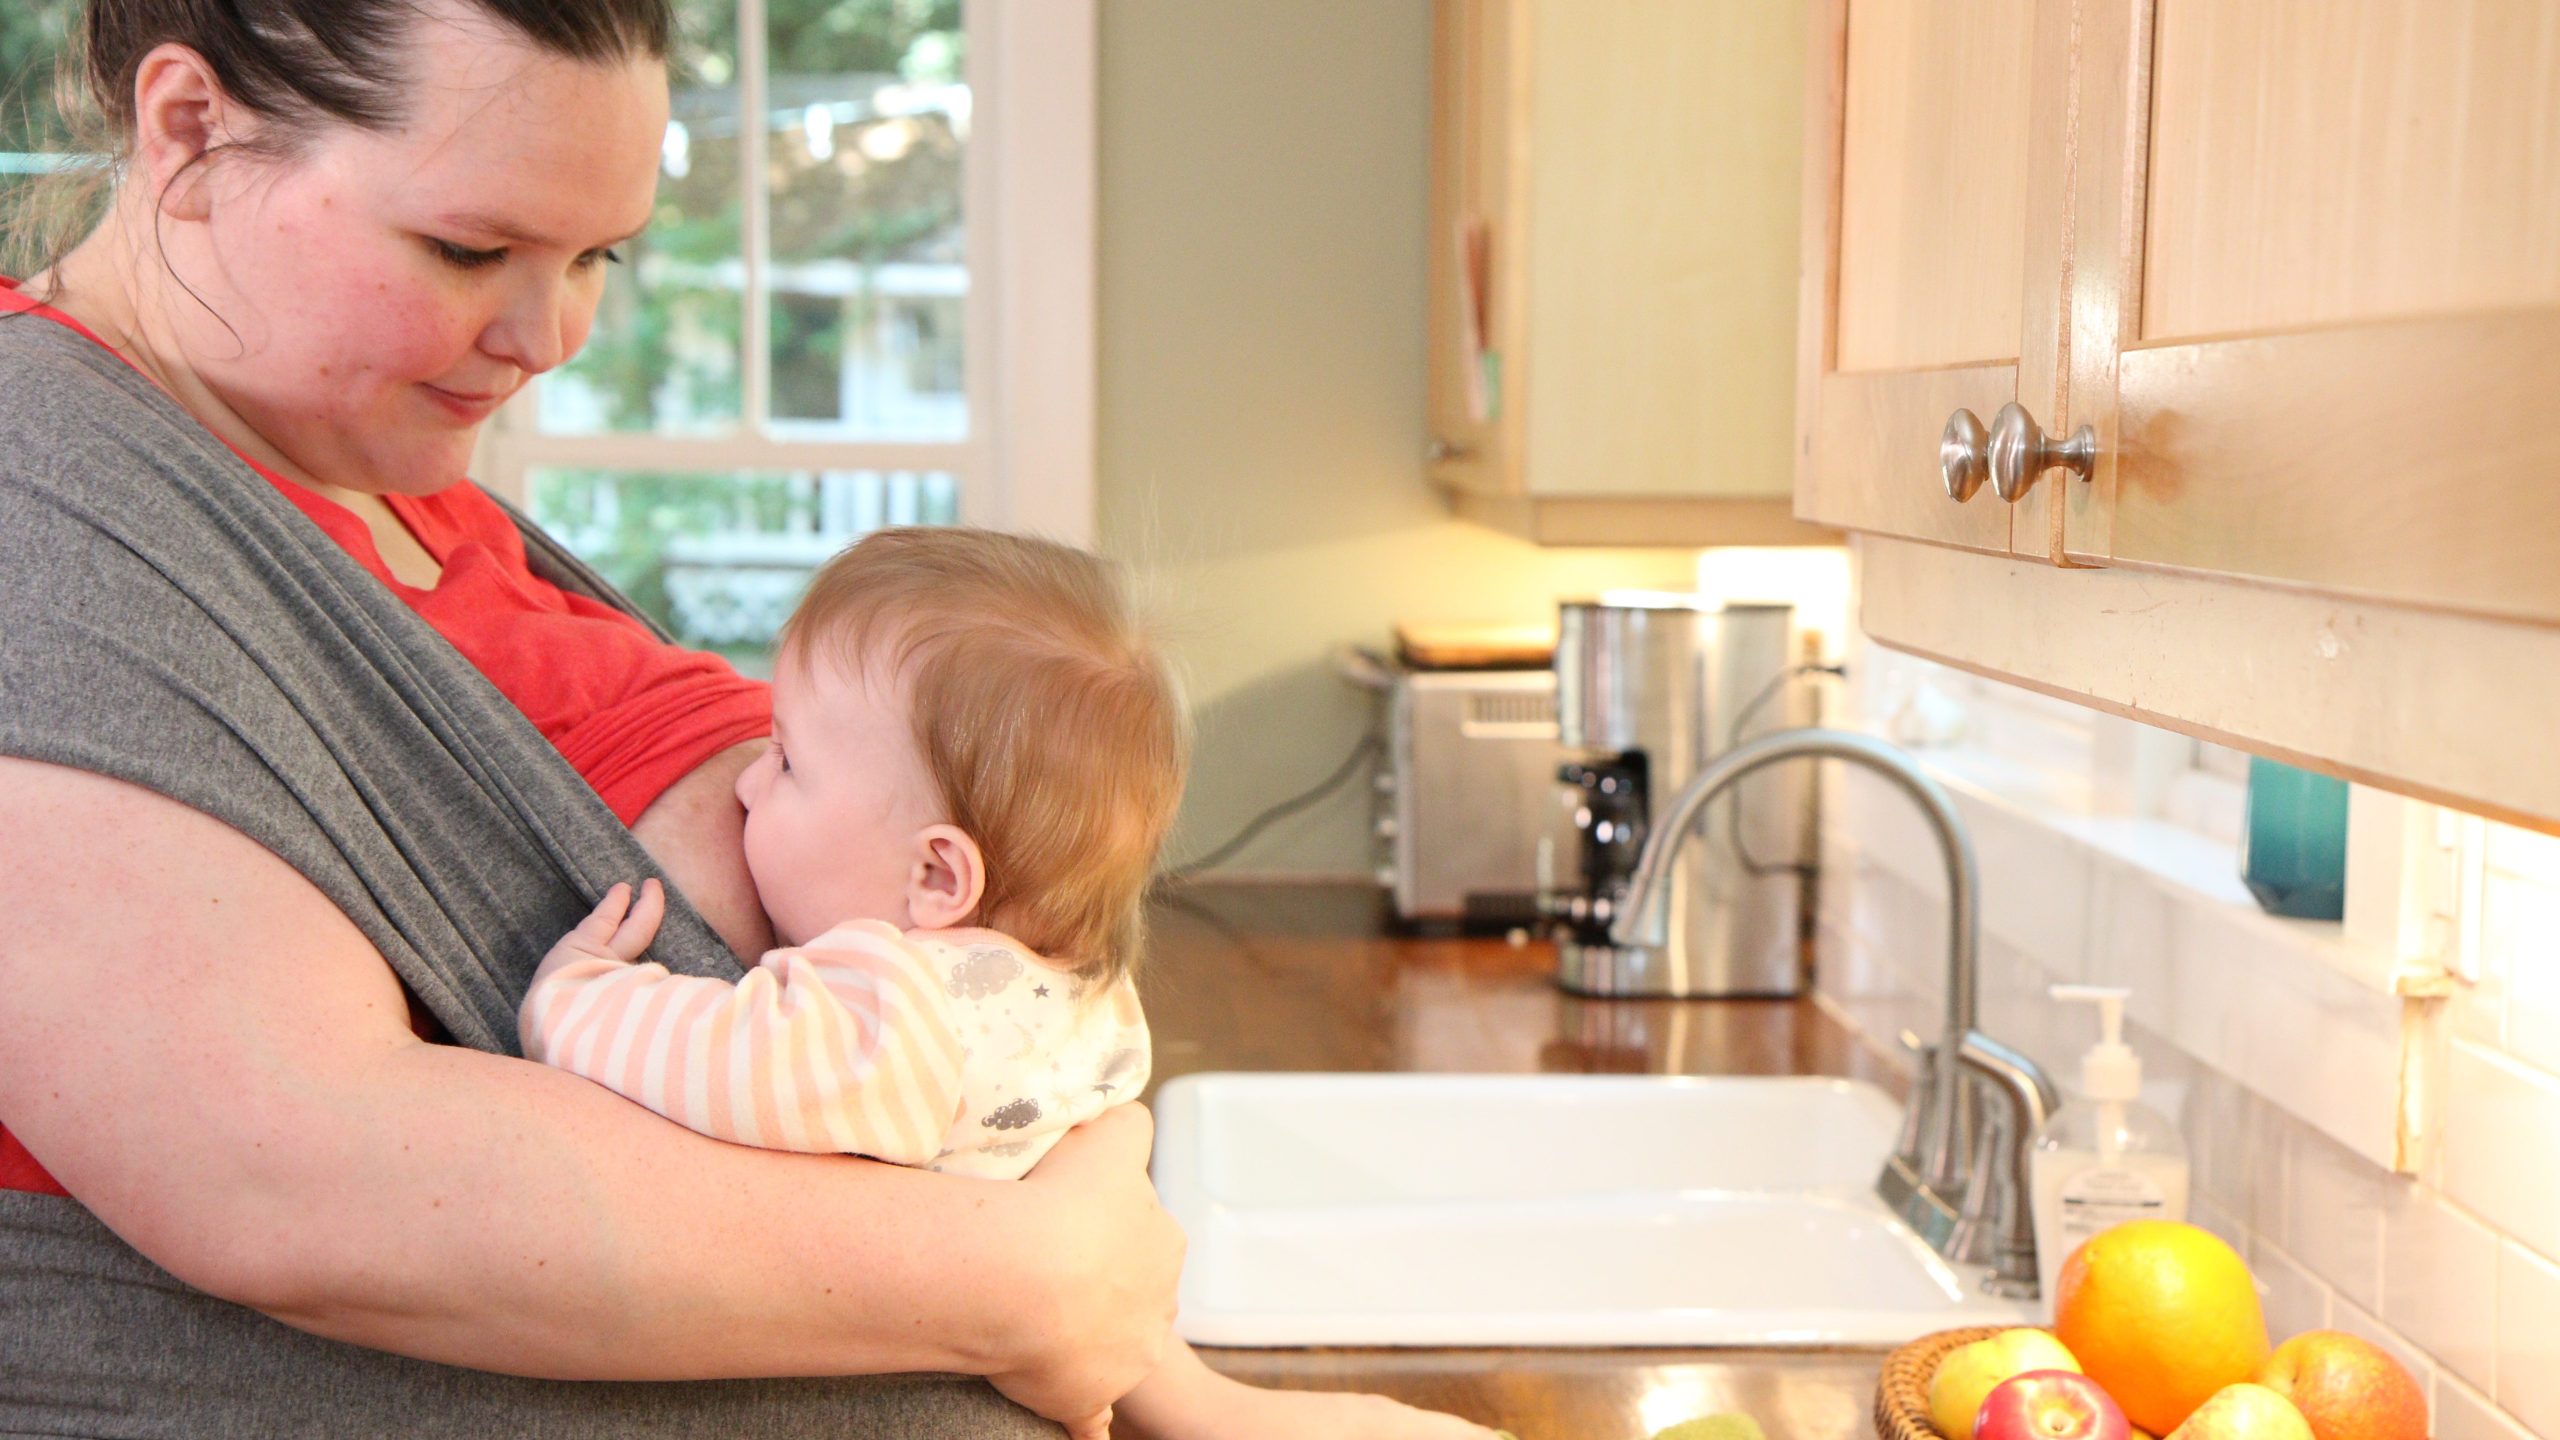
1312,978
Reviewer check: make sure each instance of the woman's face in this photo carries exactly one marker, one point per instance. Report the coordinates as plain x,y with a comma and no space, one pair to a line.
390,290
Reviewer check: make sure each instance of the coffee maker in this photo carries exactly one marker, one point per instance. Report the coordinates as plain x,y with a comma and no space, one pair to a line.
1649,688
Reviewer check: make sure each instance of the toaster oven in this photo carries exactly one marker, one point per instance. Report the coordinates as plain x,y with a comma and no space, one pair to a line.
1470,814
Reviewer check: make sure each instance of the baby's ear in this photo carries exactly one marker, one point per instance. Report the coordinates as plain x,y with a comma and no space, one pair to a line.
947,878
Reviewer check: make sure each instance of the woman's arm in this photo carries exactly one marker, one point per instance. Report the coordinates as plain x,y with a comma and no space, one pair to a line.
214,1060
695,832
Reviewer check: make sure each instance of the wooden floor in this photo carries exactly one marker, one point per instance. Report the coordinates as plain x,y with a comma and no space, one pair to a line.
1311,978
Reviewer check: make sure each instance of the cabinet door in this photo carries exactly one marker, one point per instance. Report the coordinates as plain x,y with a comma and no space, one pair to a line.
1475,268
1916,276
2331,300
1662,228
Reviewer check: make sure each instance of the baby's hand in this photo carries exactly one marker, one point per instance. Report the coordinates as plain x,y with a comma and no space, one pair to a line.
615,930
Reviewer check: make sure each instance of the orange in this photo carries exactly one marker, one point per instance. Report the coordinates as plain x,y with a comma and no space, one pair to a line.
2161,1315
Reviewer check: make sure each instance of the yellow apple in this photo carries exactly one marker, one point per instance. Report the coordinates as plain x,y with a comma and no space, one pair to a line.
2244,1412
1971,1372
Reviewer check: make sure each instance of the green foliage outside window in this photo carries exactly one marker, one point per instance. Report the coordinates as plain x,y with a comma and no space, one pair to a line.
665,346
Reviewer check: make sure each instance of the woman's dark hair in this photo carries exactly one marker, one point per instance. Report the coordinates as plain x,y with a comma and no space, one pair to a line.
299,65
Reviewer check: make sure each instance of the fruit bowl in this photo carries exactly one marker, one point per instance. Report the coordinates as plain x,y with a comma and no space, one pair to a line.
1902,1394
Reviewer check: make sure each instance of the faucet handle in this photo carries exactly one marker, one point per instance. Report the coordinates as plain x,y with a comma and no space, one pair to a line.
1982,1215
1998,1197
1915,1111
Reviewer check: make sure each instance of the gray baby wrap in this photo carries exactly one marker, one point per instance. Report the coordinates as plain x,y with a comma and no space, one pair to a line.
168,619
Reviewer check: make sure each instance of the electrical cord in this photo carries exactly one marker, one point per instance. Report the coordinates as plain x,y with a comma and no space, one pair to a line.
1370,744
1762,869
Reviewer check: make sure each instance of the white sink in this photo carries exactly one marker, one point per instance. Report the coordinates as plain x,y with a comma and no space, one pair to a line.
1545,1210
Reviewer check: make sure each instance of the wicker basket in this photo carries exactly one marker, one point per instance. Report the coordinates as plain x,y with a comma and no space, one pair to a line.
1902,1394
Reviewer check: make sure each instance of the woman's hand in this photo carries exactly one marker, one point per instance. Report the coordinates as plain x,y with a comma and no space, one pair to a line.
1105,1317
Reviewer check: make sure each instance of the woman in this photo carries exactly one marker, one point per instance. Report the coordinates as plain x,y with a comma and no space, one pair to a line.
254,813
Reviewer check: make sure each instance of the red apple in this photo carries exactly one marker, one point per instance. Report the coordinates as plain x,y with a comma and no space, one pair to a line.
2347,1388
2050,1405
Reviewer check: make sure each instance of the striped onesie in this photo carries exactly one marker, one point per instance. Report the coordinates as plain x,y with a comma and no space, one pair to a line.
954,1050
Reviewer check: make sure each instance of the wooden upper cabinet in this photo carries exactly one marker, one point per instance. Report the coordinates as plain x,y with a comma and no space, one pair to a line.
2326,343
1612,260
1919,167
1476,270
2295,265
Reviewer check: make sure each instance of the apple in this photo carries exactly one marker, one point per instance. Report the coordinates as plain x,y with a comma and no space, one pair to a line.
2049,1405
2244,1412
2346,1388
1970,1372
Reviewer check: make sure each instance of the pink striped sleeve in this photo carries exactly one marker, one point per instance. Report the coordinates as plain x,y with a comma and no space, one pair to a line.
845,1046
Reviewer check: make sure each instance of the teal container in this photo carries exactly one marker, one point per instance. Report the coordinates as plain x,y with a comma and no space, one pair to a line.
2293,851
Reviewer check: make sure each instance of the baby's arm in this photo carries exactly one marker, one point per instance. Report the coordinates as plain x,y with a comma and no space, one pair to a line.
840,1049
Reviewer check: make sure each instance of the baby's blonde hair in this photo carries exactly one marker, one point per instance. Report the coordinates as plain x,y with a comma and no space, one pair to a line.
1042,709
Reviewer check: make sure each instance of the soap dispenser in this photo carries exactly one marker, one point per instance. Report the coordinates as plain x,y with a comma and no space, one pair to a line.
2105,1157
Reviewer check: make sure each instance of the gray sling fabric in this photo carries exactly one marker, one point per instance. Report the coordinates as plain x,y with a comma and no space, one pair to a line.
167,619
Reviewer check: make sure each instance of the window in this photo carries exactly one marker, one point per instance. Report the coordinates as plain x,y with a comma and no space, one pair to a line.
813,338
2075,755
32,136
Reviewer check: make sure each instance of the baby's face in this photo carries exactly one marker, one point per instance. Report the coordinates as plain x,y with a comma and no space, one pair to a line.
835,803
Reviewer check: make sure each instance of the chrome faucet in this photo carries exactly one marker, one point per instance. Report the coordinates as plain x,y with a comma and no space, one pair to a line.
1956,1175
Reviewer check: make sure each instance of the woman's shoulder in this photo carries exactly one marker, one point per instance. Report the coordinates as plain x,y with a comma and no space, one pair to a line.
57,382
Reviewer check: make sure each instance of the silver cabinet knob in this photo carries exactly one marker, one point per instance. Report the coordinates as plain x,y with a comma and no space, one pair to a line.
1441,452
2020,451
1963,455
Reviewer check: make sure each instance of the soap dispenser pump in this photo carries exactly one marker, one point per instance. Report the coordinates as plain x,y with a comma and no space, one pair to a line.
2105,1157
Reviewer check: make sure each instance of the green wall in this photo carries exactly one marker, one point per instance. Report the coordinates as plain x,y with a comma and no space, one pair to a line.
1262,230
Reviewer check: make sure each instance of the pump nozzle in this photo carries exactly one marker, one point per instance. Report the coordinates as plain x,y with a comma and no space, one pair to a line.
2110,1071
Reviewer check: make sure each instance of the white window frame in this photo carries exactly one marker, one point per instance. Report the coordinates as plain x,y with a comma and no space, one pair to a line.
1029,177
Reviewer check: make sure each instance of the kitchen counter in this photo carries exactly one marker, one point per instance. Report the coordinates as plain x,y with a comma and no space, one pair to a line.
1306,977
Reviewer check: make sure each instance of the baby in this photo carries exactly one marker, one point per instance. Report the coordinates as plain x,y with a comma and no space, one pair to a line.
976,756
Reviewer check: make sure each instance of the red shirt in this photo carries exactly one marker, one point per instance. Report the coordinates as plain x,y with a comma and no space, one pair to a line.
633,713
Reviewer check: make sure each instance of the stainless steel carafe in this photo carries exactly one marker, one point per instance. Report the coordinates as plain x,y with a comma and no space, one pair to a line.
1648,689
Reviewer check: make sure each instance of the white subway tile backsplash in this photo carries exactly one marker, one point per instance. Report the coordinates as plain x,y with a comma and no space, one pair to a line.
2294,1298
2347,1316
2047,919
2502,1144
2276,1045
2213,1217
2270,1173
2529,1338
2334,1207
2130,932
2463,1413
2335,1241
2440,1282
2215,1124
